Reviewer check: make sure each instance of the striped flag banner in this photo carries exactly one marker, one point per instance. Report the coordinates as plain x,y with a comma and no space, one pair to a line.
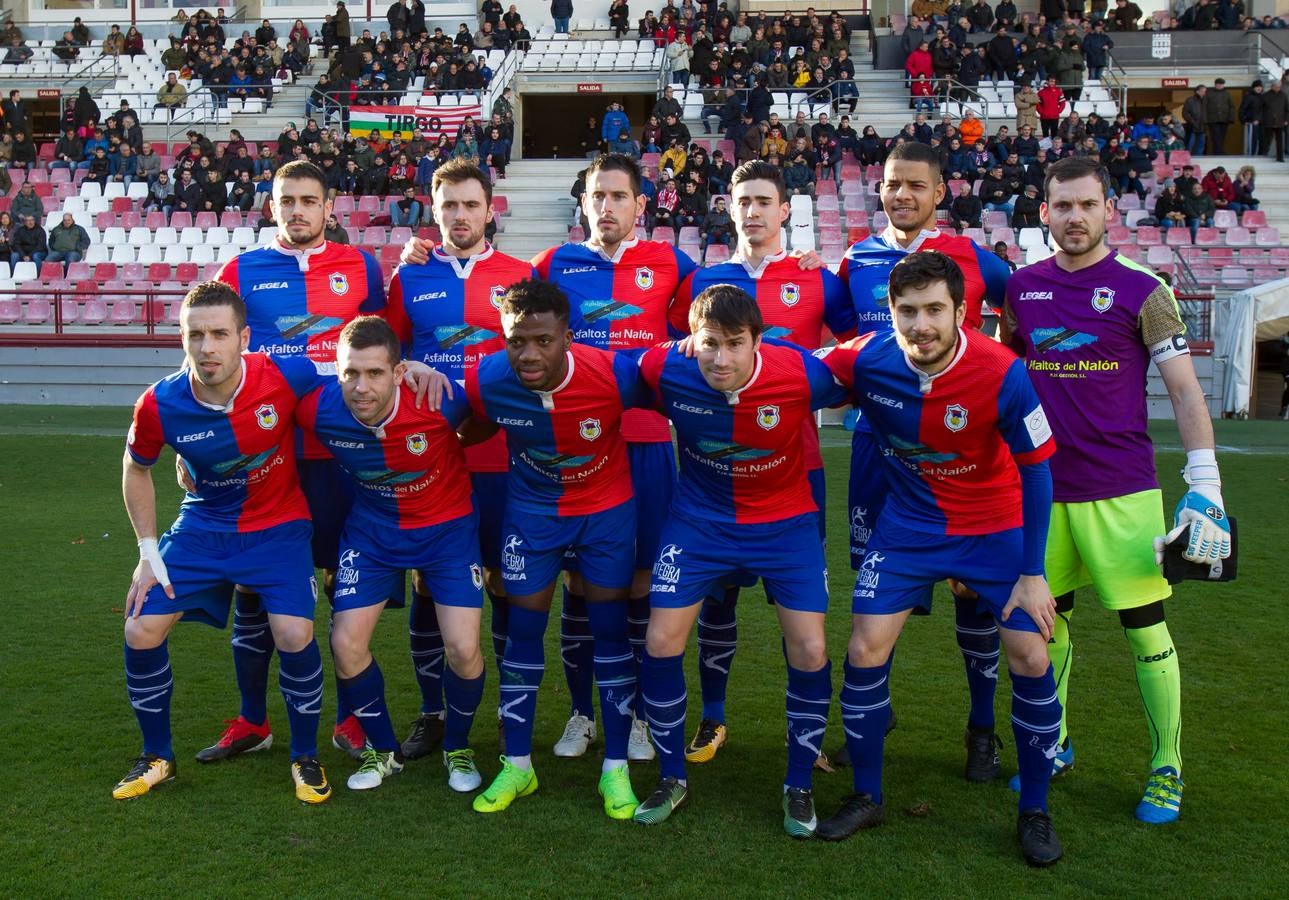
426,122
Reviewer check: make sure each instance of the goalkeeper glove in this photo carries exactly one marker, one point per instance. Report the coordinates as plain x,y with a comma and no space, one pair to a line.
1200,513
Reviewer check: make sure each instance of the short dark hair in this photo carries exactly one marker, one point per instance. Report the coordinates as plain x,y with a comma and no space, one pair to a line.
727,307
532,296
919,270
216,293
915,151
460,170
759,170
304,170
617,162
372,331
1073,168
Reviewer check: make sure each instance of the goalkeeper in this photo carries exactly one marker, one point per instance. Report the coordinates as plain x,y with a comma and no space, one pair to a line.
1089,323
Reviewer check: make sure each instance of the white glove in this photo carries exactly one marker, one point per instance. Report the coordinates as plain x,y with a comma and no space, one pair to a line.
1202,511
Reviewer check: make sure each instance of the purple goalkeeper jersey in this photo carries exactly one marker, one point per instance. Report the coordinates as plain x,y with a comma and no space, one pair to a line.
1086,339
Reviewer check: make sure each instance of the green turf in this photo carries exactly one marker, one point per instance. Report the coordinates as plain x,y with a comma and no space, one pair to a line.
235,830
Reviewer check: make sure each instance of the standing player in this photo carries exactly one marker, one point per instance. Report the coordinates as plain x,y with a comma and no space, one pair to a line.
621,289
964,441
244,520
299,291
413,510
1090,322
447,311
795,306
743,507
912,187
570,489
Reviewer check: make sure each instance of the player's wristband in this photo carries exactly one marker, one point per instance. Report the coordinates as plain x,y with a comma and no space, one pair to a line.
1201,469
150,553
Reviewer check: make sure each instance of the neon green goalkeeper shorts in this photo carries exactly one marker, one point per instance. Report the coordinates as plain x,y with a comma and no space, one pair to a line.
1108,544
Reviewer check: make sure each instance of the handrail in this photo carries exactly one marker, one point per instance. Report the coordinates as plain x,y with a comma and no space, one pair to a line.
950,85
813,95
501,79
1264,35
110,59
192,115
153,301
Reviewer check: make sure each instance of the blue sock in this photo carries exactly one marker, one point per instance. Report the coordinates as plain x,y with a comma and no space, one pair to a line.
865,713
300,678
614,673
978,641
521,675
1036,727
149,684
637,629
427,652
500,616
577,650
252,642
662,681
808,698
365,695
717,641
463,697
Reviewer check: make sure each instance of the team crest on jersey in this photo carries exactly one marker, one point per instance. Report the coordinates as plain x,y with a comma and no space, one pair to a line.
416,443
495,293
790,294
339,283
589,429
767,416
266,416
955,417
1102,299
476,576
644,278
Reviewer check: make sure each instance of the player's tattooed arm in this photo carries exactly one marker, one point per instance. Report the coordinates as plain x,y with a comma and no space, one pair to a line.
141,506
1032,594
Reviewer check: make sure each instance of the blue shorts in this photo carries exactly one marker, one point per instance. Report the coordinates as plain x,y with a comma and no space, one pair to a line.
204,565
653,477
376,558
819,494
535,547
490,502
329,490
867,492
699,556
903,565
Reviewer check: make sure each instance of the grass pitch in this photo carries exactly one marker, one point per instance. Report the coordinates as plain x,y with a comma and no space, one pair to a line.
234,829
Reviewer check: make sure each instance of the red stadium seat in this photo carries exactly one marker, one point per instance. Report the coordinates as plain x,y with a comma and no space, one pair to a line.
158,272
154,220
180,220
232,218
1177,237
131,220
359,219
1253,218
500,205
717,253
104,220
10,310
69,311
38,311
1268,237
133,272
122,204
665,234
122,311
94,312
1147,235
78,271
205,220
104,272
186,273
51,271
1204,237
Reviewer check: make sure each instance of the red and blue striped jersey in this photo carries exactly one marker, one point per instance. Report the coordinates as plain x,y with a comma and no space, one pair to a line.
447,313
297,301
867,266
567,453
951,441
240,456
742,452
795,305
620,303
409,470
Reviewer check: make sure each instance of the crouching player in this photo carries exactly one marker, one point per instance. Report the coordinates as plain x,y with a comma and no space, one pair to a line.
965,442
743,507
413,510
569,488
245,521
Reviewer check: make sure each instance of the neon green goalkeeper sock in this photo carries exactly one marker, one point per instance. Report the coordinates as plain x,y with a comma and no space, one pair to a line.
1159,679
1060,651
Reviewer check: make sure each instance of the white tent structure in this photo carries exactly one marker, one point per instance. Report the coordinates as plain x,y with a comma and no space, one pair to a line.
1260,313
